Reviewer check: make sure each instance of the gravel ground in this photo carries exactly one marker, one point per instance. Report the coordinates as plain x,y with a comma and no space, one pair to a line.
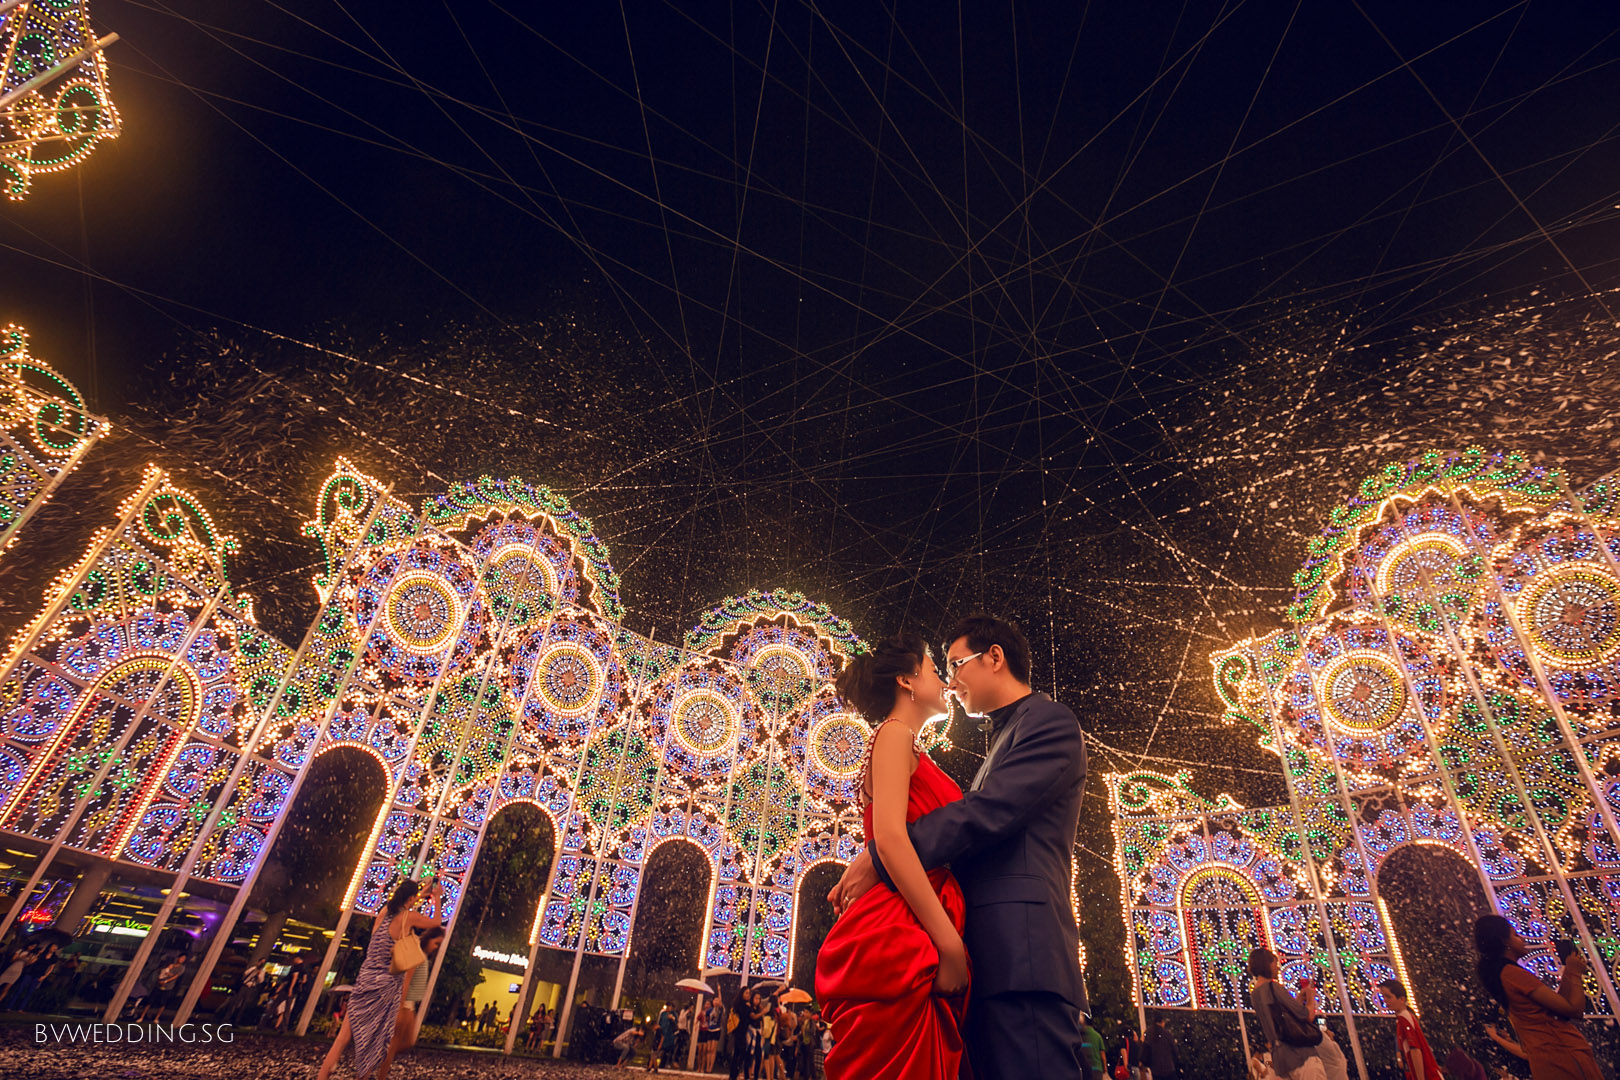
252,1057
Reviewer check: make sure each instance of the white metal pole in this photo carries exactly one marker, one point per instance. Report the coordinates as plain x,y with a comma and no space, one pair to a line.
497,643
424,717
227,925
113,757
9,535
46,76
563,1024
1510,766
523,997
1565,728
1340,979
98,547
132,972
1430,740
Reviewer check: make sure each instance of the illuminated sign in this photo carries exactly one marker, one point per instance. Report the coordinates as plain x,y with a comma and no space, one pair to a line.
514,959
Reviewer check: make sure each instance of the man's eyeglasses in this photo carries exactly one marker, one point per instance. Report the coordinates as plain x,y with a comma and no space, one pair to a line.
953,666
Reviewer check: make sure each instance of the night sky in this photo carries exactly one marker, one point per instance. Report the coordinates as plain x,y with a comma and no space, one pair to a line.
1082,313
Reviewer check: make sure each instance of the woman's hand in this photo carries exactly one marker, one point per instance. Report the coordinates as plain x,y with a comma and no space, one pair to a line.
952,978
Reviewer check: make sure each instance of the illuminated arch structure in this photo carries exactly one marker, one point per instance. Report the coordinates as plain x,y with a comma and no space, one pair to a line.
473,647
1454,646
45,431
54,104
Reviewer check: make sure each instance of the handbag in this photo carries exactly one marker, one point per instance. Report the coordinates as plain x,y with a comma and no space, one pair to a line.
1291,1030
407,953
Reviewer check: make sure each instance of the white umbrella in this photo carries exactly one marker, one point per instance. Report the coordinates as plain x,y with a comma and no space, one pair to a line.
697,985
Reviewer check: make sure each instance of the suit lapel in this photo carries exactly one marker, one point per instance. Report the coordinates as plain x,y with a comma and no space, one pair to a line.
1002,740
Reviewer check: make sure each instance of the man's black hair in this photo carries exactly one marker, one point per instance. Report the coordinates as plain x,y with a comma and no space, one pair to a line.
983,631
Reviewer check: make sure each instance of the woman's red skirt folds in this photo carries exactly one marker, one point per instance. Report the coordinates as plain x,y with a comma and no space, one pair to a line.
875,972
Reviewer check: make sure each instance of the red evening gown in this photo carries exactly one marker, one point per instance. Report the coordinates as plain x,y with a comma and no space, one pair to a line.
875,972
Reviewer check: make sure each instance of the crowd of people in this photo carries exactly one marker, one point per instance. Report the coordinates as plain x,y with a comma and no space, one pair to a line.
45,976
1546,1021
757,1037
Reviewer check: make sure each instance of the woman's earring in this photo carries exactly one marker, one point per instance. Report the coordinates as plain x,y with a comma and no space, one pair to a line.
913,694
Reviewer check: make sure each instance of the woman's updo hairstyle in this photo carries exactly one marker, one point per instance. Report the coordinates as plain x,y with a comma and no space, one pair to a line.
403,896
868,682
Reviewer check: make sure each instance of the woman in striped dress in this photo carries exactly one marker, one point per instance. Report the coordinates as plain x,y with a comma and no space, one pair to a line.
374,1001
416,988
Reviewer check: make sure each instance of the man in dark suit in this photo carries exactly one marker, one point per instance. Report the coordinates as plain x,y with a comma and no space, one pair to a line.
1010,843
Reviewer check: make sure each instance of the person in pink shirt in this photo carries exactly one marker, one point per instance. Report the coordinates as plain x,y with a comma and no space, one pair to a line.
1417,1060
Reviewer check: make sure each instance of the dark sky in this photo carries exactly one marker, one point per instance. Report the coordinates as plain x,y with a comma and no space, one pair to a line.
1083,312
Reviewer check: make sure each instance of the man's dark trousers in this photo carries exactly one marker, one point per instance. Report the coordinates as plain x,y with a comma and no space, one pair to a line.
1024,1035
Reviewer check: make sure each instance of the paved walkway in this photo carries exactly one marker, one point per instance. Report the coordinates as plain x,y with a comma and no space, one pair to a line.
255,1057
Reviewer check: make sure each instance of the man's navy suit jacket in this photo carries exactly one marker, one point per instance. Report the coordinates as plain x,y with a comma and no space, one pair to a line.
1010,845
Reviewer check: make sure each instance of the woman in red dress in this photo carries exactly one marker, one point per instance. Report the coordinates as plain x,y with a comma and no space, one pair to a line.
893,973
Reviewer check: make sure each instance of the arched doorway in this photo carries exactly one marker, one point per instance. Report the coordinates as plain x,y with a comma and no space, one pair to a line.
298,893
1432,896
1222,920
666,939
812,920
486,955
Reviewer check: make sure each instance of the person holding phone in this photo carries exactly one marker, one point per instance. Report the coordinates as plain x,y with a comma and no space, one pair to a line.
1544,1019
1334,1063
1286,1020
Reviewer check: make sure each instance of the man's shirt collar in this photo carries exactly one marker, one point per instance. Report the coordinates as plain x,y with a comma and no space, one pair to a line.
999,717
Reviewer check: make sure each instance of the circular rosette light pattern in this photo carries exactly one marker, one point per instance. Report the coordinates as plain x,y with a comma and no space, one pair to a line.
1412,571
569,678
426,610
783,663
1571,616
828,743
527,571
704,720
1567,603
1362,693
1346,694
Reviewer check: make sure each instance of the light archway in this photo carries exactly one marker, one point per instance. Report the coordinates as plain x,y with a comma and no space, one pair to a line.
1222,919
1429,896
506,882
672,914
813,919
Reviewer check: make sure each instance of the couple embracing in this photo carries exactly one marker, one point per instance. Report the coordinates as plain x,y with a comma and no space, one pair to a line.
956,932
